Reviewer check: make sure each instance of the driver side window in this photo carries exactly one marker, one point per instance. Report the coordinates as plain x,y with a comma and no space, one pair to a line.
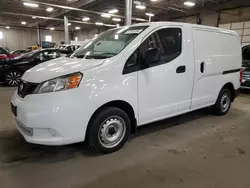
167,41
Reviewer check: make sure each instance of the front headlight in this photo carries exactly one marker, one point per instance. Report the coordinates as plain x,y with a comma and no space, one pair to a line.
59,84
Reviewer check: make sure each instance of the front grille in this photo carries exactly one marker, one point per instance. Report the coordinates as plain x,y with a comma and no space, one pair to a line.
26,88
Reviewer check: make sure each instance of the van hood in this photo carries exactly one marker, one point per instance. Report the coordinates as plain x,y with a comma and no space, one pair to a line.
59,67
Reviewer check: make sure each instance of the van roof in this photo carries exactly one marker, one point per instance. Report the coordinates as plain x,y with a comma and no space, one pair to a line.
158,24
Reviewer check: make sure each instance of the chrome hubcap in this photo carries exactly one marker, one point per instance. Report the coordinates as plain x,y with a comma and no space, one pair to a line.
13,78
112,131
225,102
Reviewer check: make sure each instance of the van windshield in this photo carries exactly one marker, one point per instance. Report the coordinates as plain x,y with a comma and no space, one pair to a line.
109,43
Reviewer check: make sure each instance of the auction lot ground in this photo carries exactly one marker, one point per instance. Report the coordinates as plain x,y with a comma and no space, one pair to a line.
196,150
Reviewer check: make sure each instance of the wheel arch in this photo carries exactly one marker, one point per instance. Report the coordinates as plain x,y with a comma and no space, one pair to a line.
230,86
123,105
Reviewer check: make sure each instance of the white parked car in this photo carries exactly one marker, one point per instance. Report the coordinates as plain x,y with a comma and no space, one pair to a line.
128,77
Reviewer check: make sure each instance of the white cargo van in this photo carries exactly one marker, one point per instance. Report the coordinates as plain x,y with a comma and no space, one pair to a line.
127,77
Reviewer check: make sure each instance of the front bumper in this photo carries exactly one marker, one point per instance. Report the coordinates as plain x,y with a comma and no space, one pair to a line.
51,119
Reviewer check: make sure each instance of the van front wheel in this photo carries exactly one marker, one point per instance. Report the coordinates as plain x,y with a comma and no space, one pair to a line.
108,130
223,103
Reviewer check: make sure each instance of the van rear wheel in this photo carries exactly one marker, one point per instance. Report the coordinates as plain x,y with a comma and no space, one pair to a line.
108,130
223,103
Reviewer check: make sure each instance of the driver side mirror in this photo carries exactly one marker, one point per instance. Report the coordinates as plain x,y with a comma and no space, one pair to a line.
153,55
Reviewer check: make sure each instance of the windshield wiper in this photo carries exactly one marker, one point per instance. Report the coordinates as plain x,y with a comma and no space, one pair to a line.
96,57
99,56
109,53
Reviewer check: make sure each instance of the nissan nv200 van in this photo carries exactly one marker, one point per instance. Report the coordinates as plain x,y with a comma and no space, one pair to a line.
128,77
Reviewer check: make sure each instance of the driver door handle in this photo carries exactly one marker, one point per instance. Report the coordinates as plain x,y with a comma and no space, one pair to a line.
181,69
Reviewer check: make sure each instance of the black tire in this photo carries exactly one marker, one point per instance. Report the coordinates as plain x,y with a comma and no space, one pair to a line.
223,103
13,77
96,128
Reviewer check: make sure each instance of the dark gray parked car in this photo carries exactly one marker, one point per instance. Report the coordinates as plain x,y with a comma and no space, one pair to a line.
245,83
12,70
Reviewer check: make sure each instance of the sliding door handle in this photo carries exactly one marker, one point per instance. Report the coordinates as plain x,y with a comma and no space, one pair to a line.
202,67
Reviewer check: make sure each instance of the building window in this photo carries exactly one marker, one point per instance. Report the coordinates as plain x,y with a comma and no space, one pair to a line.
48,38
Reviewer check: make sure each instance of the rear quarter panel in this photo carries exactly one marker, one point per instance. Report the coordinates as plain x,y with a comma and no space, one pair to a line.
220,51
